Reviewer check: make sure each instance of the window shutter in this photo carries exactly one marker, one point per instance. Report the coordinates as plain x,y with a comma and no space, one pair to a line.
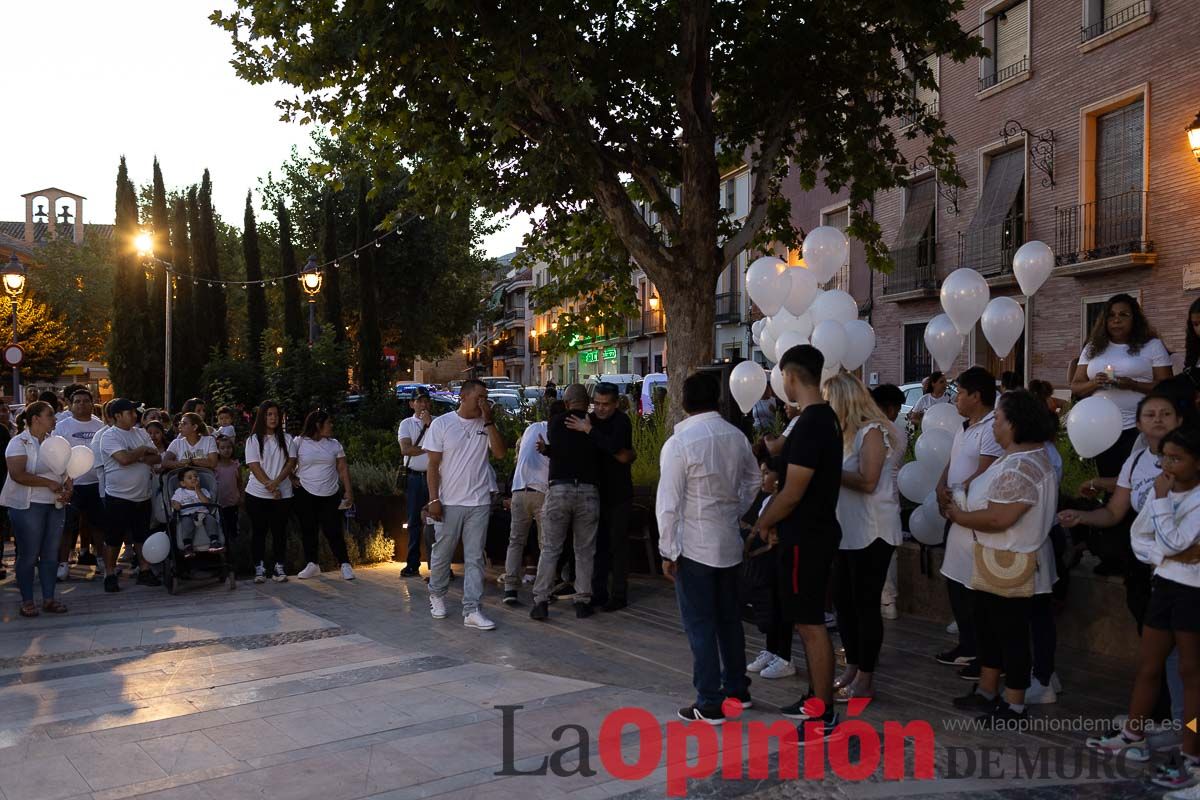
1119,136
927,97
1112,7
918,212
742,199
1012,36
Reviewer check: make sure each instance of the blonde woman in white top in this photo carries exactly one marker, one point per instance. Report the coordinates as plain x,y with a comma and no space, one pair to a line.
868,511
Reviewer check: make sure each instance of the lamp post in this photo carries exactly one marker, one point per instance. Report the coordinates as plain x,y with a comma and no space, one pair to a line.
653,302
1193,134
144,243
311,280
14,286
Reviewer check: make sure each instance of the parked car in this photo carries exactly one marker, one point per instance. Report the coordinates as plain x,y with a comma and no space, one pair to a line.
511,403
913,392
406,389
649,384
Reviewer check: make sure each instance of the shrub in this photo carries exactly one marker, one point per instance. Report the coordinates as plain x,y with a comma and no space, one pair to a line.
649,436
368,478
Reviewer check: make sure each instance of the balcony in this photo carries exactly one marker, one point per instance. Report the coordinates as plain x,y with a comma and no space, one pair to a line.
989,249
653,322
1000,76
1114,21
915,271
510,351
729,307
513,317
930,108
1105,234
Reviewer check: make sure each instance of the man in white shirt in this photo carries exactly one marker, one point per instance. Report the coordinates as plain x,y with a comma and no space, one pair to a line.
709,479
460,489
128,453
531,478
412,433
974,450
78,428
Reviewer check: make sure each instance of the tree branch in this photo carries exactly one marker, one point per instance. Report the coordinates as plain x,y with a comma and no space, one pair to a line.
764,167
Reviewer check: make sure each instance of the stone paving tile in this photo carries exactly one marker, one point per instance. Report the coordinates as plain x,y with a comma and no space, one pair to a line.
52,778
185,752
116,766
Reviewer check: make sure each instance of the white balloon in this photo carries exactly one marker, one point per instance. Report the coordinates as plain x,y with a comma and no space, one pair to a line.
836,305
787,341
830,338
926,524
81,461
942,417
827,373
156,548
767,284
1032,264
860,341
916,480
802,290
747,382
1003,322
757,328
964,297
1094,425
766,343
777,384
53,455
933,447
825,250
943,341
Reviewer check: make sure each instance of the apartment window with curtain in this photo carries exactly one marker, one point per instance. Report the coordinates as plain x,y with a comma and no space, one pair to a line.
914,250
1118,195
840,219
924,98
998,227
1006,34
1102,16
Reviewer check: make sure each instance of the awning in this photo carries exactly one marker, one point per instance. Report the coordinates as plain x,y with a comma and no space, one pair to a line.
917,214
1005,174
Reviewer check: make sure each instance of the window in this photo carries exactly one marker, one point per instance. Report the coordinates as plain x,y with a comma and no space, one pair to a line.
915,247
1119,174
998,227
917,361
924,98
735,195
839,219
1006,34
1102,16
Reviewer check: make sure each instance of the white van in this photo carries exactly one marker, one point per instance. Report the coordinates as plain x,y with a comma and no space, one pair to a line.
649,384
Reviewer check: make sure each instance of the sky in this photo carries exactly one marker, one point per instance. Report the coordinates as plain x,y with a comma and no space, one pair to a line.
88,82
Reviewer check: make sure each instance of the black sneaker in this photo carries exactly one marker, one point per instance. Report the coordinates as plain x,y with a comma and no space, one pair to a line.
954,658
742,697
805,708
974,701
1003,717
110,584
614,605
970,672
147,578
583,611
410,572
510,597
713,715
540,610
826,728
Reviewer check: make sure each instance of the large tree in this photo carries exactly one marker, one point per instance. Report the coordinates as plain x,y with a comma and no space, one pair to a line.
256,295
75,280
160,231
293,321
128,354
44,335
212,315
331,291
603,104
370,347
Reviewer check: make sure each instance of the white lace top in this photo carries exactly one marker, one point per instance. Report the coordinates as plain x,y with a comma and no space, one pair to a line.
867,517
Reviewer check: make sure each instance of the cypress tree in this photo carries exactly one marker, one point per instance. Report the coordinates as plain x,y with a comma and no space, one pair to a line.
128,356
198,346
370,349
256,295
215,312
293,320
161,230
184,368
332,288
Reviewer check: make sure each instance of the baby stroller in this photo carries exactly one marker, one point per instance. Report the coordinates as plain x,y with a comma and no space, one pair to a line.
179,565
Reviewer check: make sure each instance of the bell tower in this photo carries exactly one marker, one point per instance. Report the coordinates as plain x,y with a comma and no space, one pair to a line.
53,208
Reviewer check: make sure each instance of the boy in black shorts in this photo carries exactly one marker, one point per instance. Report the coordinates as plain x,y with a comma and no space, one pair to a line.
805,514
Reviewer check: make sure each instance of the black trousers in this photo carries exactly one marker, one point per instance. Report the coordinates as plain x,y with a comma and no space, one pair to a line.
267,515
1111,545
780,631
1044,634
612,553
858,582
1003,630
315,510
1138,578
962,605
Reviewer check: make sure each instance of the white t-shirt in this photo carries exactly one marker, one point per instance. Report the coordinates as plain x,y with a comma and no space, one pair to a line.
533,468
182,451
228,431
926,401
1138,474
316,465
466,475
271,458
80,433
16,495
1139,367
410,428
977,440
130,482
187,497
867,517
99,456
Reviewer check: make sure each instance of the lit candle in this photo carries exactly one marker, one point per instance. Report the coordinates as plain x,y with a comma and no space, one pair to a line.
1110,371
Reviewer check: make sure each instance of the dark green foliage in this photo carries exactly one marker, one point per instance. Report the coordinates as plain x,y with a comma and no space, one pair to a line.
293,322
211,316
256,297
370,347
43,334
160,230
331,290
128,355
302,378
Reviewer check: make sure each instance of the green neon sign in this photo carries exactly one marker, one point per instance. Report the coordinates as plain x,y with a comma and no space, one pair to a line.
610,354
590,356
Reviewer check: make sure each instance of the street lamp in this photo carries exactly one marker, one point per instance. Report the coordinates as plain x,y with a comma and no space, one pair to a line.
311,279
1193,133
14,286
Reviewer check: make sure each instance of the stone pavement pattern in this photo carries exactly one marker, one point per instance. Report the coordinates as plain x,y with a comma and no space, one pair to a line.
328,689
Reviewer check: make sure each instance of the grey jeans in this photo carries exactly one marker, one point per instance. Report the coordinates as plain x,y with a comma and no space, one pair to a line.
526,507
470,524
569,509
188,528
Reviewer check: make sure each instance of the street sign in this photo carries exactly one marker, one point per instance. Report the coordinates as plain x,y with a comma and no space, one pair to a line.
14,354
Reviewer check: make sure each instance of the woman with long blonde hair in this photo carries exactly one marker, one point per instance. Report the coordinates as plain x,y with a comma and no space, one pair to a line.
869,513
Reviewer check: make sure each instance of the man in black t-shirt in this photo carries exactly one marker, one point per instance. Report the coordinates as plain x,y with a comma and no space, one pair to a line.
804,513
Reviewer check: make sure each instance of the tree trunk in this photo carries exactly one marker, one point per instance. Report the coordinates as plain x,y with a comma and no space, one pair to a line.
690,310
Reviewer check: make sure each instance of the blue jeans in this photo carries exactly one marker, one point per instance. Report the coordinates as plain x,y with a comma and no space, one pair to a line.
708,604
469,523
416,495
38,531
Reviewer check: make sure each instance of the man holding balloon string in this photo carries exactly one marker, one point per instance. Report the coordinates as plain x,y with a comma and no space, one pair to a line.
78,427
127,453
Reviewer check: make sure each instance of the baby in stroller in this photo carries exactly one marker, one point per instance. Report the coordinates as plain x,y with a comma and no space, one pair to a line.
191,503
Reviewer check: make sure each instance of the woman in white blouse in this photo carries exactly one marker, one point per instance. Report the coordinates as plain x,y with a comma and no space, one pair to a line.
868,511
935,392
320,466
35,499
1010,507
270,459
193,447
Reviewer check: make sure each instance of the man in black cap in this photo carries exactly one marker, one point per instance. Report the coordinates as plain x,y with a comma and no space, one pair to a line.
416,462
126,454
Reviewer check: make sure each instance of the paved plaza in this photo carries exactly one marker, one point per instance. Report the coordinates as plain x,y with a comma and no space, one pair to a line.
333,690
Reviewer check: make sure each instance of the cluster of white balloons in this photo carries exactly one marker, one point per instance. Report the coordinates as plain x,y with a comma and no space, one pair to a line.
58,460
918,479
799,312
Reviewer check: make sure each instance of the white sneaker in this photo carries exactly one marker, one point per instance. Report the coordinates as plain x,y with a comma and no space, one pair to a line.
260,573
437,607
101,567
478,621
952,629
830,620
888,611
1190,793
1038,694
347,573
761,662
1055,683
279,575
64,570
310,570
779,668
